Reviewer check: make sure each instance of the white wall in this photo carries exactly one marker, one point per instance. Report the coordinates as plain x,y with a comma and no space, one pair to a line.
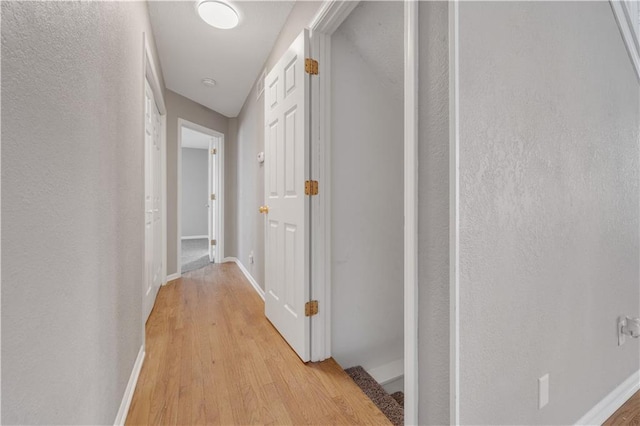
549,243
433,216
195,191
248,235
72,208
367,190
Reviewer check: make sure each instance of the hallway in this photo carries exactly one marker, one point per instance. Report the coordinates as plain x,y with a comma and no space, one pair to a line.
212,357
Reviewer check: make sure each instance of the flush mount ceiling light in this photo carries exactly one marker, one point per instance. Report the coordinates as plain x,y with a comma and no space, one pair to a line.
218,14
209,82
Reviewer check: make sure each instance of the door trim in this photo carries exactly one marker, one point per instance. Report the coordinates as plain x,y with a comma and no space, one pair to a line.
330,16
219,258
332,13
411,300
624,19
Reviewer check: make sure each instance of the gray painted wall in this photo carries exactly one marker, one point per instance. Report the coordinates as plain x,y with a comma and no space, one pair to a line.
367,200
248,235
433,217
72,202
231,190
549,254
180,107
195,190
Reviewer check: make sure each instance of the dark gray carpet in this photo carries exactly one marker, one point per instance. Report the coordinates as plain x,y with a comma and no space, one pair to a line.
376,393
195,254
398,396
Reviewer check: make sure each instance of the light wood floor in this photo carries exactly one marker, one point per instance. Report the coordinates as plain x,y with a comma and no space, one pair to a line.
213,358
628,414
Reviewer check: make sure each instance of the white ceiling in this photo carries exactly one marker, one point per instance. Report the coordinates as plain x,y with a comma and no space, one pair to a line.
193,139
191,50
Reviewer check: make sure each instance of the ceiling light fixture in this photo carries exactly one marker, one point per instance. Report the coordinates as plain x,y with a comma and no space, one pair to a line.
218,14
209,82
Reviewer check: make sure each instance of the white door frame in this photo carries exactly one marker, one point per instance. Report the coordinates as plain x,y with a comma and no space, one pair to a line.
626,14
330,16
411,305
219,190
150,74
326,22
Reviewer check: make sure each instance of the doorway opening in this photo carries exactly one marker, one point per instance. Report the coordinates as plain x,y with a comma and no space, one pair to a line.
200,196
367,198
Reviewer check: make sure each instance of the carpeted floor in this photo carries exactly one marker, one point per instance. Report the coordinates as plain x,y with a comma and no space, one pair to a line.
390,405
195,254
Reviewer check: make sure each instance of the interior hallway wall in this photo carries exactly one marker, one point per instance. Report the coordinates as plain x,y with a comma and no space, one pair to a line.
249,229
180,107
231,190
549,209
72,207
367,198
195,190
433,213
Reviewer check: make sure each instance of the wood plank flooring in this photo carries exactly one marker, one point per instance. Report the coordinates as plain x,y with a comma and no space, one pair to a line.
213,358
628,414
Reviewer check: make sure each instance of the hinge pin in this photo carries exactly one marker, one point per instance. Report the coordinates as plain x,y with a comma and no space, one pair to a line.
311,308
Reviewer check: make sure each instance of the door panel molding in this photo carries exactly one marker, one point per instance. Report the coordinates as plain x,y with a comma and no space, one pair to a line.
287,208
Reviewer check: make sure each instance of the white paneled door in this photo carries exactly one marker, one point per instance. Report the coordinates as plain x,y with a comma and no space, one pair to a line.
152,201
286,206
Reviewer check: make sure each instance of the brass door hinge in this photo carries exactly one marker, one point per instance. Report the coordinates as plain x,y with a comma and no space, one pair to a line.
311,308
213,151
311,66
213,197
213,242
311,187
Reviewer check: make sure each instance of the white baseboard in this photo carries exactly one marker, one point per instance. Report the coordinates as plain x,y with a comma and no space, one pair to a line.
388,372
131,387
247,274
610,403
195,237
173,277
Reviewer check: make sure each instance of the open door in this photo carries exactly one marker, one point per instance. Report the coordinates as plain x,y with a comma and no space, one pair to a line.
211,203
286,206
153,202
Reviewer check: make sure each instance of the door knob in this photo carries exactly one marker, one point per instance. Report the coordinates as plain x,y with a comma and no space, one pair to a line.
264,209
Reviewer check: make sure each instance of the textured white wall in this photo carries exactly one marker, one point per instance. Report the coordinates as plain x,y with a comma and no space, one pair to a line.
366,192
248,235
195,189
433,217
549,244
72,208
